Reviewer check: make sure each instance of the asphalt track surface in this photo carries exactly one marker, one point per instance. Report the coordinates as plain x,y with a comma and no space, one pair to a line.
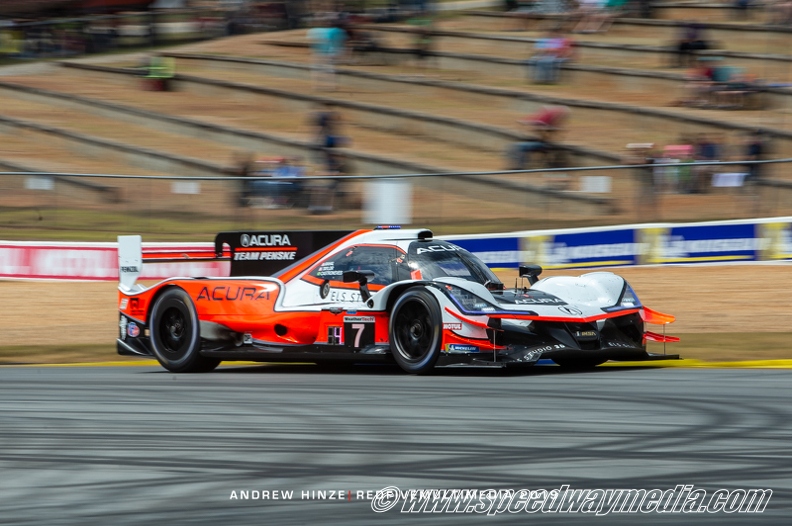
138,445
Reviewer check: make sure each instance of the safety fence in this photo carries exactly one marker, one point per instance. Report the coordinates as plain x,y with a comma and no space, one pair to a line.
97,207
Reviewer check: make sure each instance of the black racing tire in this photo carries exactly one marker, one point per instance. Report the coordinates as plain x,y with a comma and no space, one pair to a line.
175,334
579,364
416,331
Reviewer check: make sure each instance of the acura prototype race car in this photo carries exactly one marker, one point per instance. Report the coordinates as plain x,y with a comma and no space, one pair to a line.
373,295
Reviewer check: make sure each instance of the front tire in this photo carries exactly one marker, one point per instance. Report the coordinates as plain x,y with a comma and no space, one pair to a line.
175,334
416,331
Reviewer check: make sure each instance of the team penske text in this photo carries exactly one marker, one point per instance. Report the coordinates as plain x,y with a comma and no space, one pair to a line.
681,499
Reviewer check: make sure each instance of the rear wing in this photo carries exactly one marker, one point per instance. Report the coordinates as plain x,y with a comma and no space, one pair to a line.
250,253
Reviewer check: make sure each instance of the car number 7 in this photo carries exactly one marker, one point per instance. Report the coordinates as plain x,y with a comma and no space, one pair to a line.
358,328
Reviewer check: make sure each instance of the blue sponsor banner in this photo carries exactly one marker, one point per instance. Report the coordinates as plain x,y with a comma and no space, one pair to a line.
496,252
655,244
700,244
609,248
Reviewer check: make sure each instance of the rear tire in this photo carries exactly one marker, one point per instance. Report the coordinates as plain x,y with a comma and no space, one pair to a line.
175,334
416,331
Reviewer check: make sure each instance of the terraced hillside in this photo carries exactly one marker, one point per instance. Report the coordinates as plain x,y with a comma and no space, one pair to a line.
255,94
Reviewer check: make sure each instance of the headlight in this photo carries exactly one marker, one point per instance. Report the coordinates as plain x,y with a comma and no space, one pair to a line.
467,301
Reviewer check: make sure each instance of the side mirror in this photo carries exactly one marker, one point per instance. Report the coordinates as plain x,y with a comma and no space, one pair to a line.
362,277
531,272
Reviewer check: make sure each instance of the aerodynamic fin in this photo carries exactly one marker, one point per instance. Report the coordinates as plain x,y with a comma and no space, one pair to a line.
655,337
658,318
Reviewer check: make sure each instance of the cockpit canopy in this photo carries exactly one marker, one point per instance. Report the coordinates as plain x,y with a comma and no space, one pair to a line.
424,260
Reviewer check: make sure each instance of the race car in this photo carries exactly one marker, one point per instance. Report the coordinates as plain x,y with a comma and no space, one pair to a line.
380,295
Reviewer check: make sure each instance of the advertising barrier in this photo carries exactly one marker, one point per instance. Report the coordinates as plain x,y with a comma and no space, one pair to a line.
767,239
95,261
752,240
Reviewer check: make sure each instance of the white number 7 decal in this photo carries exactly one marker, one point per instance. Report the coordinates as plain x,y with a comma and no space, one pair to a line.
359,328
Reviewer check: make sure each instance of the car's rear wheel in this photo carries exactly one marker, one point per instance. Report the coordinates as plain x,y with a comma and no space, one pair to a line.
175,334
578,364
416,331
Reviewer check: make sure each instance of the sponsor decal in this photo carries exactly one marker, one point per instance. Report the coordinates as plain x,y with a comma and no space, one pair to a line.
224,293
546,348
334,335
461,348
134,307
452,326
531,300
358,319
264,240
268,255
327,270
324,290
130,269
124,303
588,335
438,248
328,273
620,344
133,330
345,296
122,324
571,310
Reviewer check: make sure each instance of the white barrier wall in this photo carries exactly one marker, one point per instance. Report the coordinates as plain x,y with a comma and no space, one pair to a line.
768,239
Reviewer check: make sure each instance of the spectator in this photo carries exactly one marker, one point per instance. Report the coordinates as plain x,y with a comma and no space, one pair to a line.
755,150
732,88
698,85
691,40
779,12
161,71
361,44
642,156
424,28
592,16
327,123
545,125
552,51
243,167
742,9
645,8
289,191
328,45
705,149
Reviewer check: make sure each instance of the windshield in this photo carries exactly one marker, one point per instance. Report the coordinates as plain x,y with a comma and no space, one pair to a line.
438,259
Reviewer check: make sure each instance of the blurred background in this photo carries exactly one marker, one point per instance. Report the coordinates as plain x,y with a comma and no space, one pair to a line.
180,118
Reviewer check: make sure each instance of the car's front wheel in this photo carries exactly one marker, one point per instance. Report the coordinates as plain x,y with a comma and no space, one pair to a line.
175,334
416,331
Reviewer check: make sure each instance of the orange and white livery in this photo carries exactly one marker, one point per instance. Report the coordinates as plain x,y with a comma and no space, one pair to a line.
379,295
